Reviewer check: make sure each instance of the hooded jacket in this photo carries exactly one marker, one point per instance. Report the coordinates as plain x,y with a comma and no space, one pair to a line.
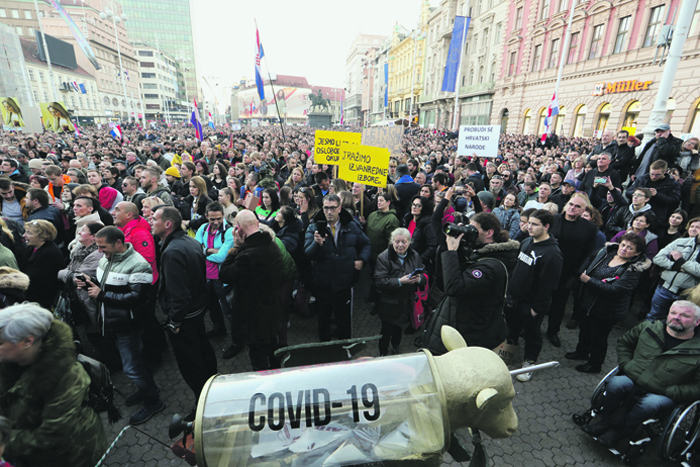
138,232
45,404
613,294
667,198
334,264
532,279
20,193
621,219
673,373
475,291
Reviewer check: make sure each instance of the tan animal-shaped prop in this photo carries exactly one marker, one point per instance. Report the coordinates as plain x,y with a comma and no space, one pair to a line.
400,408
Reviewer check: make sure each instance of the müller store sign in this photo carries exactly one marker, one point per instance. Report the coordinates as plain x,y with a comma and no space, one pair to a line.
620,86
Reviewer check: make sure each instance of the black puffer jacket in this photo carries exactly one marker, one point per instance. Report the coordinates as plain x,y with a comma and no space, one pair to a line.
474,296
612,297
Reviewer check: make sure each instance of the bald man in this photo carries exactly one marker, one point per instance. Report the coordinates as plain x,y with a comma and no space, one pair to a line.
253,268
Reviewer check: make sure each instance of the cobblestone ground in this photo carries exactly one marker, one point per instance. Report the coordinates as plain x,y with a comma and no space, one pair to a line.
546,435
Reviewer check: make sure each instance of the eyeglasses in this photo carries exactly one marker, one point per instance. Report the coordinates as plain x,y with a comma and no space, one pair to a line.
416,205
330,208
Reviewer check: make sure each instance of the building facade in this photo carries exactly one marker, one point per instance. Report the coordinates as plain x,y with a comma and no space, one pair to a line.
158,74
479,66
168,26
355,64
611,72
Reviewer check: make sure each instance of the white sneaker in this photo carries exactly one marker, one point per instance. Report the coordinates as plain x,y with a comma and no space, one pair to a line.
525,377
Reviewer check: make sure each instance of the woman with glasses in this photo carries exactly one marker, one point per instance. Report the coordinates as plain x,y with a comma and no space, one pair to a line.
41,262
423,237
307,205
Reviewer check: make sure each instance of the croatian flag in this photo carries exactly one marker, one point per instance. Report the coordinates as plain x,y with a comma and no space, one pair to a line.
194,120
211,121
342,117
75,86
549,119
259,54
77,132
116,132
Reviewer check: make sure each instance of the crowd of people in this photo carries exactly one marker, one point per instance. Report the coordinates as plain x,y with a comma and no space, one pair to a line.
146,235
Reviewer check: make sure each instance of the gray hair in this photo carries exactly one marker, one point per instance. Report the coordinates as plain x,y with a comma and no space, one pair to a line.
400,232
5,431
688,305
20,321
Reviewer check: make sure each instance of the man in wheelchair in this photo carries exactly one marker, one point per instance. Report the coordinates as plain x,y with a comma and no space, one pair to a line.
659,368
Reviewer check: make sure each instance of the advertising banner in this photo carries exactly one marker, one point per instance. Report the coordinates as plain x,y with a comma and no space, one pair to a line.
292,102
56,117
11,113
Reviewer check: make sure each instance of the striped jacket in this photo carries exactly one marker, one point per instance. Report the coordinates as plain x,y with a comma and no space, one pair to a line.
125,280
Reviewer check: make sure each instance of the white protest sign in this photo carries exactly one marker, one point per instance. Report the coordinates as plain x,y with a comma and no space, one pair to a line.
481,140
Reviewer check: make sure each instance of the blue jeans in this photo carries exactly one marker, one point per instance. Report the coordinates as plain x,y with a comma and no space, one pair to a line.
660,303
649,405
129,345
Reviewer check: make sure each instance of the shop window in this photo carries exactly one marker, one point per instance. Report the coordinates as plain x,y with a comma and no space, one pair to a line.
580,121
603,117
528,117
632,115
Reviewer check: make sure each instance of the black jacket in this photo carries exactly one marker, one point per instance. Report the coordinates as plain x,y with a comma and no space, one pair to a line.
576,240
537,264
622,160
405,191
396,300
254,271
183,281
53,215
474,296
613,296
601,190
667,198
186,211
42,267
424,239
668,149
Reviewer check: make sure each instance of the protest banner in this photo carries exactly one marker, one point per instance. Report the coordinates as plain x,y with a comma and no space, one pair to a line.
56,117
481,140
327,145
11,113
384,137
364,164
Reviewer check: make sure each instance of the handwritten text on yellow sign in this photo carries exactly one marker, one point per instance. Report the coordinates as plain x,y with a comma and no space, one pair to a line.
327,145
364,164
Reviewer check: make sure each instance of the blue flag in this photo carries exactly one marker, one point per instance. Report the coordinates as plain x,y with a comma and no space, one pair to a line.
454,54
259,54
386,85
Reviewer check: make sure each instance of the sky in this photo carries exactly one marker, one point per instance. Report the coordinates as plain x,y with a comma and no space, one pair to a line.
308,38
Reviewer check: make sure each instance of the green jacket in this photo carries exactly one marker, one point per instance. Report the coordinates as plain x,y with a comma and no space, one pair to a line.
379,227
675,373
50,425
289,267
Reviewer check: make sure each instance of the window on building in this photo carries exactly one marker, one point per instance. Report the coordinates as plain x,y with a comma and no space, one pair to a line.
513,62
471,77
519,18
497,35
148,65
537,57
27,14
145,53
580,121
36,95
149,86
596,42
544,12
3,13
554,54
479,6
18,30
15,14
150,96
623,30
693,31
527,119
486,37
31,74
46,96
493,72
94,103
148,75
563,5
573,48
655,22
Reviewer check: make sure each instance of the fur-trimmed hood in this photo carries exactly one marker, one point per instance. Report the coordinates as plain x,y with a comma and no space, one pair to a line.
495,247
639,263
13,279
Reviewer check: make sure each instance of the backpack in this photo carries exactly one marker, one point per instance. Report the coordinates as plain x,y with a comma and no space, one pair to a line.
101,390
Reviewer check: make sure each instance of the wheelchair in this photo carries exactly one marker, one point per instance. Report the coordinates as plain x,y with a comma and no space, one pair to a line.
677,433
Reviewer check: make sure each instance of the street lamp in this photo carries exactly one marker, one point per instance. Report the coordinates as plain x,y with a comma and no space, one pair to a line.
416,36
116,19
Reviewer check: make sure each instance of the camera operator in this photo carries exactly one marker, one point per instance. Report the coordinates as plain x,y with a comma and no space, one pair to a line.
475,282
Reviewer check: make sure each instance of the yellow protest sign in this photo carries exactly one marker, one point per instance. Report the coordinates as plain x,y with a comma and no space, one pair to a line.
364,164
327,145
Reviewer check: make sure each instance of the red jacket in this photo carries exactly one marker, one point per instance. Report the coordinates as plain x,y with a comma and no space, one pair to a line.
138,232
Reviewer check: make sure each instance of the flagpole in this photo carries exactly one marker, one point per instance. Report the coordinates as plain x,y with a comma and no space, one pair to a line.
563,56
459,70
272,86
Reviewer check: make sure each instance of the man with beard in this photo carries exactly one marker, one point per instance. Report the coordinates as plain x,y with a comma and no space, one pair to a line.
496,188
659,368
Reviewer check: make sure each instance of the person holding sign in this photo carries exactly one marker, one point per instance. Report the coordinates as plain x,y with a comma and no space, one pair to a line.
338,249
